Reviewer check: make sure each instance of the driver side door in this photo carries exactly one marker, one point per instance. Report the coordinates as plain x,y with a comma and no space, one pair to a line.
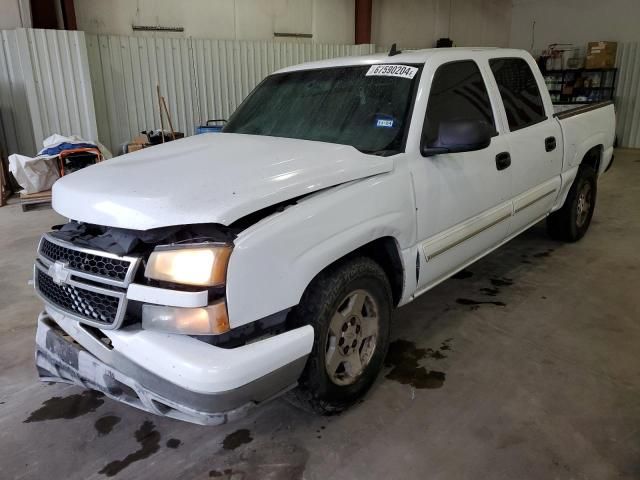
463,199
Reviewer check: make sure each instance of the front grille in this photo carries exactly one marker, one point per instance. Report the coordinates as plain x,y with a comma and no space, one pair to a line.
84,261
98,307
85,284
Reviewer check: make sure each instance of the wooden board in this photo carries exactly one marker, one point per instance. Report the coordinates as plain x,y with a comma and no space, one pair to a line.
36,196
5,191
35,201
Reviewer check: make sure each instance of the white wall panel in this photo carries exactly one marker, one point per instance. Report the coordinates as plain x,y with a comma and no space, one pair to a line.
327,20
201,78
15,14
420,23
45,88
628,95
537,23
16,131
125,72
58,83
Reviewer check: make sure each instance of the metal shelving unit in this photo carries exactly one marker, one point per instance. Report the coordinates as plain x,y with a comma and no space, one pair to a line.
582,86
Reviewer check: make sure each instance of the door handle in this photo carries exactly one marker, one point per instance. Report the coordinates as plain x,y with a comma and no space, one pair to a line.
550,144
503,160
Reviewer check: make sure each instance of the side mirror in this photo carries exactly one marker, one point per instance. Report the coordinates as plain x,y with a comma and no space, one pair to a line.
460,136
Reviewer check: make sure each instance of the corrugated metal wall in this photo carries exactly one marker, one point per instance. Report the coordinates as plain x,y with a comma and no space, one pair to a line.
227,71
58,83
628,95
125,72
45,88
16,131
201,78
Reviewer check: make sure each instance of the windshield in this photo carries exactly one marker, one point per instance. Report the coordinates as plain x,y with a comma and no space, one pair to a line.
365,107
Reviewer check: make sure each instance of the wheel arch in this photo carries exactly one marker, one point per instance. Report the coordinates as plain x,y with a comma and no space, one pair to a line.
275,260
593,157
385,251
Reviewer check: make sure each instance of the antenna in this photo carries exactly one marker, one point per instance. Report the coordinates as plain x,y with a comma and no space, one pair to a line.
394,50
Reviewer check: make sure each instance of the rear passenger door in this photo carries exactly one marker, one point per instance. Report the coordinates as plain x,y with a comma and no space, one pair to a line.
534,139
463,199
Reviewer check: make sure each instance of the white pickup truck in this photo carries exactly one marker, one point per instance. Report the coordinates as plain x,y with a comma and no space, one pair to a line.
202,277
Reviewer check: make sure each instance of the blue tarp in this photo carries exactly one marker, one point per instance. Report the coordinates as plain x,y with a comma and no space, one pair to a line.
61,147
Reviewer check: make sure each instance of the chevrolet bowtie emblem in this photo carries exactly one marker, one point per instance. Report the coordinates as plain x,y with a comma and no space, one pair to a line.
59,272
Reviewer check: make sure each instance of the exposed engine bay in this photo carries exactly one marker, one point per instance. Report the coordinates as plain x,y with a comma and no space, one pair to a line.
121,241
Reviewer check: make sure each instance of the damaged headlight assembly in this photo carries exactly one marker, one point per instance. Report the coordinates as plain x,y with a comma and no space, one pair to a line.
194,265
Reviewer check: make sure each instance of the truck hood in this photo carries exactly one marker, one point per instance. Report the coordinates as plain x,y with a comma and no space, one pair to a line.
212,178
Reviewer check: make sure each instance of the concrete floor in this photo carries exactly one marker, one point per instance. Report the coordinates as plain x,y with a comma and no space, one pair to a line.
544,384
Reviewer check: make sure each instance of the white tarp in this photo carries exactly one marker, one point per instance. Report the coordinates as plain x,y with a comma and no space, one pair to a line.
39,173
34,174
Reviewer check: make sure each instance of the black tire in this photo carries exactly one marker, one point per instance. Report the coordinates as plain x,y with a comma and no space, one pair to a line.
571,222
323,299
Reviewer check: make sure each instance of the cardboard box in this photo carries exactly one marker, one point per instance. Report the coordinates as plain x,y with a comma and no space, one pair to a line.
134,147
137,143
601,55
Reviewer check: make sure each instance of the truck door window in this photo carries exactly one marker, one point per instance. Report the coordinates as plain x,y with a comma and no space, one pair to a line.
519,92
458,92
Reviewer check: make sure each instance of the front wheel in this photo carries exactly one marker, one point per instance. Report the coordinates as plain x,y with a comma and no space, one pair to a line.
349,307
572,221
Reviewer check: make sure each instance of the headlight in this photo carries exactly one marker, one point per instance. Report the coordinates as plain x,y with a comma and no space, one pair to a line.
204,265
211,320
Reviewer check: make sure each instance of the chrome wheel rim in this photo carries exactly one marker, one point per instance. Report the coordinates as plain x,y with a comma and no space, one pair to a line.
584,205
352,337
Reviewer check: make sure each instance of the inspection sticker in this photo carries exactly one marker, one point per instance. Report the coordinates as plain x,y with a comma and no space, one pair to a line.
402,71
384,122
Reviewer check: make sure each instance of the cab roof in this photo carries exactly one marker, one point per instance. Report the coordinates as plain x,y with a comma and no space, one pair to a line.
406,57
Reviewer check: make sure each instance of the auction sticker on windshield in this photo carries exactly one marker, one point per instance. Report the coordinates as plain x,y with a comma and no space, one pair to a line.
402,71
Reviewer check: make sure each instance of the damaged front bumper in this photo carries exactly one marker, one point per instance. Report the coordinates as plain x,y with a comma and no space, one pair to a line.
67,351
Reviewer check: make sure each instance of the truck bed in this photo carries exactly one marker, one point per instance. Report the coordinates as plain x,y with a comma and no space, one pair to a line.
565,111
584,127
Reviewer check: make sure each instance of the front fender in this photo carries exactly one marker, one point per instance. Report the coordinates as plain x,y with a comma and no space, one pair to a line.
274,260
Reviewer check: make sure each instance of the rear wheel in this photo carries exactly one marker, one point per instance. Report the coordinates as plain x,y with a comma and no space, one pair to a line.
572,221
349,307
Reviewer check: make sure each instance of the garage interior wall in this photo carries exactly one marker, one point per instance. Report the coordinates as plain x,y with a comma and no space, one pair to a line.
410,23
16,132
328,21
420,23
201,78
573,21
537,23
45,88
14,14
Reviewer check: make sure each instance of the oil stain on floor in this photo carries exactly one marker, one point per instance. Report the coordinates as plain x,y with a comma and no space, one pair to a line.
404,357
437,353
69,407
149,440
462,274
237,438
502,282
105,424
492,292
273,460
226,473
173,443
477,303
